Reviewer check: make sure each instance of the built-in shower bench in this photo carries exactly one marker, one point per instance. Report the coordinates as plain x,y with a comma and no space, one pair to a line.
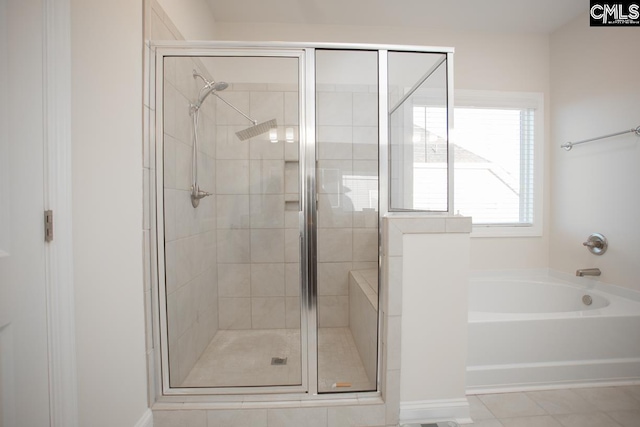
363,316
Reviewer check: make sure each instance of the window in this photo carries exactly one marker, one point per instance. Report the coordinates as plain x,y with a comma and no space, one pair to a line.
497,148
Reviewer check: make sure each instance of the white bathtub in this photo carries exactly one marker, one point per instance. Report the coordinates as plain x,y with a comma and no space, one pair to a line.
536,332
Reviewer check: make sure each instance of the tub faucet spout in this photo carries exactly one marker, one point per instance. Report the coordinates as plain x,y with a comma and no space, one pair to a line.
588,272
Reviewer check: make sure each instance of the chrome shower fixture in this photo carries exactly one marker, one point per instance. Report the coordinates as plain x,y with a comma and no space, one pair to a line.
211,87
206,90
596,243
588,272
194,109
256,129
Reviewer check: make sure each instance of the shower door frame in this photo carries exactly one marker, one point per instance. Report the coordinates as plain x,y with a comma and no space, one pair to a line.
305,53
183,49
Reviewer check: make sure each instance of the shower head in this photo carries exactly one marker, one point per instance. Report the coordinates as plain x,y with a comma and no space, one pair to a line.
220,86
257,129
211,87
208,88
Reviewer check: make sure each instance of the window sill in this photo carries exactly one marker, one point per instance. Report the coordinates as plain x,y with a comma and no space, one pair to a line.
506,231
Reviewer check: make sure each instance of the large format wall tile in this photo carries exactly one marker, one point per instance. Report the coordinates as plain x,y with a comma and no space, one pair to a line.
267,280
234,280
191,275
235,313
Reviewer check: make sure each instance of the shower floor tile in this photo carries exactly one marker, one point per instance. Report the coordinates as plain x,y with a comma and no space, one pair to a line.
241,358
339,362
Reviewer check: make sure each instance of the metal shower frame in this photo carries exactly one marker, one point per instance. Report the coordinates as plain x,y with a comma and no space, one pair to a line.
305,53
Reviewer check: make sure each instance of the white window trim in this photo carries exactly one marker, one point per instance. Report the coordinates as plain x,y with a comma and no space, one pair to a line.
500,99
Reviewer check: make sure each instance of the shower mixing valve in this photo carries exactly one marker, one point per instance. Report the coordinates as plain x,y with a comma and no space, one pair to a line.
197,194
596,243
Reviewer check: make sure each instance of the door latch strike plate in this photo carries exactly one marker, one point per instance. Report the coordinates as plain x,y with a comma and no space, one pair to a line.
48,225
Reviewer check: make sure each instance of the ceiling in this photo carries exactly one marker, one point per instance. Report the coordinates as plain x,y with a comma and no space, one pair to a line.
496,16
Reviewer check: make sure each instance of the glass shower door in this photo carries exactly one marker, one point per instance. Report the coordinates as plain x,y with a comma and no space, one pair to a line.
347,219
231,210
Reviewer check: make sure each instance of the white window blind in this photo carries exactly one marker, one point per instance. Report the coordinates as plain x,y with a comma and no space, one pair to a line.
494,154
497,152
430,186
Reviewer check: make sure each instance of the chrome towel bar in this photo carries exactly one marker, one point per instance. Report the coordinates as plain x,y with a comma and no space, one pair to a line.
569,145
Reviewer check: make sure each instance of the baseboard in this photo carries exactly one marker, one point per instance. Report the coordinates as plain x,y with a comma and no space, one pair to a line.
431,411
517,388
146,420
519,377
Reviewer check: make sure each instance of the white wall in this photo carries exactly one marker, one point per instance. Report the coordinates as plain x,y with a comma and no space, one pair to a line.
435,281
596,186
193,18
106,134
482,62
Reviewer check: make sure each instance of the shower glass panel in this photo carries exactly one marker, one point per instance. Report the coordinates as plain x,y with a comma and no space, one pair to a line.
347,219
274,164
231,212
419,137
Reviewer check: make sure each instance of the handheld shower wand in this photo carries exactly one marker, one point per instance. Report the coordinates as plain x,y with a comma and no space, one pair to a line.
208,88
194,109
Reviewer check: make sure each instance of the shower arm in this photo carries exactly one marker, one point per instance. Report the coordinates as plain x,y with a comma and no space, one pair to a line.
255,122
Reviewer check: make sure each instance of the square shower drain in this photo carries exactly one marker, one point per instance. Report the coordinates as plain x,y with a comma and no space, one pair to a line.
278,361
439,424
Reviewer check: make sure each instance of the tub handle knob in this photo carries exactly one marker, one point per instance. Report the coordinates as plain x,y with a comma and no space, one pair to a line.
592,244
596,243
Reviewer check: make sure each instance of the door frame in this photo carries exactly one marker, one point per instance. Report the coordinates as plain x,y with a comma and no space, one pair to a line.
308,334
306,55
59,287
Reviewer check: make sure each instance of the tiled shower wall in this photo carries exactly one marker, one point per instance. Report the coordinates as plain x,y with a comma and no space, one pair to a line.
252,230
190,234
347,179
158,26
257,192
257,210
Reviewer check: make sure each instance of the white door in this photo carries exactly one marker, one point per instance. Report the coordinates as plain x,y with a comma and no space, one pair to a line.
24,384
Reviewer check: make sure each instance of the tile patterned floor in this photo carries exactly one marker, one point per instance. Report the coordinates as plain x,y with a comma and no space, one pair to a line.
579,407
243,358
339,362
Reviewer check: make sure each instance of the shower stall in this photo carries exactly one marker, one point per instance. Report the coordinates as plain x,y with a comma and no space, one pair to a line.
274,167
